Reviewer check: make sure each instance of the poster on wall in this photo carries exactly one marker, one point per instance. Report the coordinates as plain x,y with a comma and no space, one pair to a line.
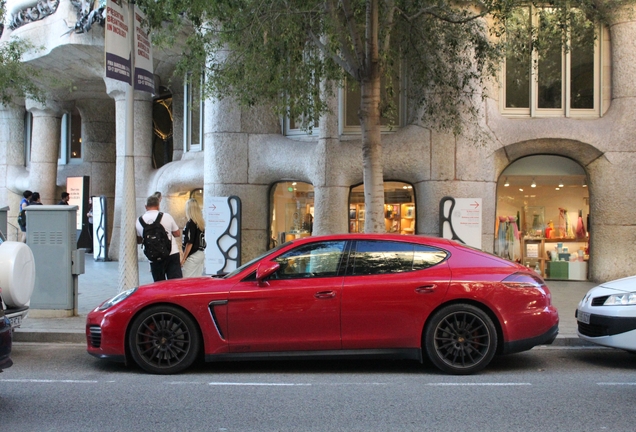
77,188
461,220
222,234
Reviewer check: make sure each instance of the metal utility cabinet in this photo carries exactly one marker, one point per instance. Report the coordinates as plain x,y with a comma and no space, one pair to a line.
52,236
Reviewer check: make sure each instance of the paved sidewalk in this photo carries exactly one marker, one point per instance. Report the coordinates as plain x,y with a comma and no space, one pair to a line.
100,282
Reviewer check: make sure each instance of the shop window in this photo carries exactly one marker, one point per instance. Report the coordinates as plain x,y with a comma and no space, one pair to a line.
542,216
399,208
546,80
292,211
162,125
193,118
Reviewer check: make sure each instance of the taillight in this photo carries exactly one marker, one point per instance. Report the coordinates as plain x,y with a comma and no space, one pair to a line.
524,280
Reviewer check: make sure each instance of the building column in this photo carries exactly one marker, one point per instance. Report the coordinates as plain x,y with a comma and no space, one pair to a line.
99,149
142,165
331,188
612,230
45,143
13,173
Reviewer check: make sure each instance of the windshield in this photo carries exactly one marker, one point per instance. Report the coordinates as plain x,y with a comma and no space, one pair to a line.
258,258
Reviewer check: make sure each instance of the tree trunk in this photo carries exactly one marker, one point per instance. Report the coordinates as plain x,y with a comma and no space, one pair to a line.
373,173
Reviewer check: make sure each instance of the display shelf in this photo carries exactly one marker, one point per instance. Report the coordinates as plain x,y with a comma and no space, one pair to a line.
533,252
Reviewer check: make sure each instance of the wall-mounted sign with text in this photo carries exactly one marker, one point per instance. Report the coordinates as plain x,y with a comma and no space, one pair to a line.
460,219
222,234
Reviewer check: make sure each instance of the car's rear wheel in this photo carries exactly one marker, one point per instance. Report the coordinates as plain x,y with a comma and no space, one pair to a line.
164,340
460,339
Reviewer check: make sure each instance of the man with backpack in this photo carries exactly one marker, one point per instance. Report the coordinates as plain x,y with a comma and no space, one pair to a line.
156,232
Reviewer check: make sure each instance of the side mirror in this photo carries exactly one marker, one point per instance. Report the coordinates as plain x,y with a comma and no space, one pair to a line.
265,269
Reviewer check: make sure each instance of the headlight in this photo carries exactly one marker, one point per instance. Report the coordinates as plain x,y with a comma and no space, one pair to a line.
118,298
621,299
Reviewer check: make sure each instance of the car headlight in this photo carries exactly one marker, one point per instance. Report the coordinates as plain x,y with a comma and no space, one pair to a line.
118,298
621,299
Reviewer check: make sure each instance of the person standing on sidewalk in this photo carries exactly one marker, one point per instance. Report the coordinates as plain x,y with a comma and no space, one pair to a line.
168,268
65,197
26,196
193,241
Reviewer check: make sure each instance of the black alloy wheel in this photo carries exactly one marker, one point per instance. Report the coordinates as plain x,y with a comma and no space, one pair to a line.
460,339
164,340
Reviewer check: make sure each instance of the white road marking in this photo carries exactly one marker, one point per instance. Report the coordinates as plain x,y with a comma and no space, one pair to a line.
257,384
47,381
476,384
616,384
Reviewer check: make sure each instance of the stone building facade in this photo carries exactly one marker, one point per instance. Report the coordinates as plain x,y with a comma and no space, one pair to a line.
246,152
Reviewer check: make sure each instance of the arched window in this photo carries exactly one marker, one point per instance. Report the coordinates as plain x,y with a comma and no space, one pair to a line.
399,208
291,211
545,199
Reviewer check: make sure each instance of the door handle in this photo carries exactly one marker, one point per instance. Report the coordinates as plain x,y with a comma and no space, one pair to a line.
425,289
325,294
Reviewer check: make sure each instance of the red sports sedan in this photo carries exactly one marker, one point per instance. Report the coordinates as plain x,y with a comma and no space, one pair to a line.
342,295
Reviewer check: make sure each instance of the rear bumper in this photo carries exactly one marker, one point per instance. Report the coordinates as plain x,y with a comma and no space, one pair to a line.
525,344
6,338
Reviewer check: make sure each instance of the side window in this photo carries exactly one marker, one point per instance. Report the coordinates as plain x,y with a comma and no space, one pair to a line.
426,256
311,260
379,257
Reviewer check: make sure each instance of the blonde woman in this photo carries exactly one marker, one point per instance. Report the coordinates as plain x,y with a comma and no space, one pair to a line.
193,240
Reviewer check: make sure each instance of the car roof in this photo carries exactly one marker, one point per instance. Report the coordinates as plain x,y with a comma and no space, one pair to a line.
413,238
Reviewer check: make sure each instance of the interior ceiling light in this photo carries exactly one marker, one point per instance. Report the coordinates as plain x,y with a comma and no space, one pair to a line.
520,189
557,188
561,183
294,184
584,183
506,183
534,184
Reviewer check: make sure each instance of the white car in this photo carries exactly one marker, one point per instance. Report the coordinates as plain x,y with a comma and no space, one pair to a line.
607,314
17,280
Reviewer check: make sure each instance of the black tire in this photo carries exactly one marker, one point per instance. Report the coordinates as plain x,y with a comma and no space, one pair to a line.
460,339
164,340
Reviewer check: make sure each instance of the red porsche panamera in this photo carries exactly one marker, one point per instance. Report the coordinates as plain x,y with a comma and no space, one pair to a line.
342,295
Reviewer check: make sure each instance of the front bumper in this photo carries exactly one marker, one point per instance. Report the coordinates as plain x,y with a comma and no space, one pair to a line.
611,331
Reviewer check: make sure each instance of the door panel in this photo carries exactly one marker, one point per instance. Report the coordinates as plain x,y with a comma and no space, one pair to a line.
297,308
388,309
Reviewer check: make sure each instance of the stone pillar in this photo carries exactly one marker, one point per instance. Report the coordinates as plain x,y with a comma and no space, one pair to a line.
177,122
612,229
331,210
13,174
99,149
45,144
142,156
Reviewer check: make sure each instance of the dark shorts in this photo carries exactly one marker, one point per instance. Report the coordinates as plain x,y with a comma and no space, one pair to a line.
168,269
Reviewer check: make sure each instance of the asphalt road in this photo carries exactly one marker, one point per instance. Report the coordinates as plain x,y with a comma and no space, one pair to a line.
58,387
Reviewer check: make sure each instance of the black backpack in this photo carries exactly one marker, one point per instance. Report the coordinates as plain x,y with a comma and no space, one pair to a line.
155,241
22,219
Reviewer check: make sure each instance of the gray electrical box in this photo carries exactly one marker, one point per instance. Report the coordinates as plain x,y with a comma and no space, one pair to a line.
52,236
3,221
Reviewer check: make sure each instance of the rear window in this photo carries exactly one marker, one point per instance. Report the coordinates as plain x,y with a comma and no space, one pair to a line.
381,257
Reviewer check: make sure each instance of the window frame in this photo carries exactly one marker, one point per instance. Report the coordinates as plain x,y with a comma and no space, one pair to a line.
188,94
64,146
565,111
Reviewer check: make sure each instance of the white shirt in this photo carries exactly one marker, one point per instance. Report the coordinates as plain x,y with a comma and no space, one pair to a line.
168,223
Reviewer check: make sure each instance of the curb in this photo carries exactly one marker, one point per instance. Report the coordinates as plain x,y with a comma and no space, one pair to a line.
49,337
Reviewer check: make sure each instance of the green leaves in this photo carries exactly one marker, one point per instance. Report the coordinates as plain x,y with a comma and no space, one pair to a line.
277,52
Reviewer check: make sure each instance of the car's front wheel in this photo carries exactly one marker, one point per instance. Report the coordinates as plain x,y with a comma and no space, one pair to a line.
460,339
164,340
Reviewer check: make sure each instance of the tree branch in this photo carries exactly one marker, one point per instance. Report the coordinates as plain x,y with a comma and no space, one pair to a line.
353,32
328,53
